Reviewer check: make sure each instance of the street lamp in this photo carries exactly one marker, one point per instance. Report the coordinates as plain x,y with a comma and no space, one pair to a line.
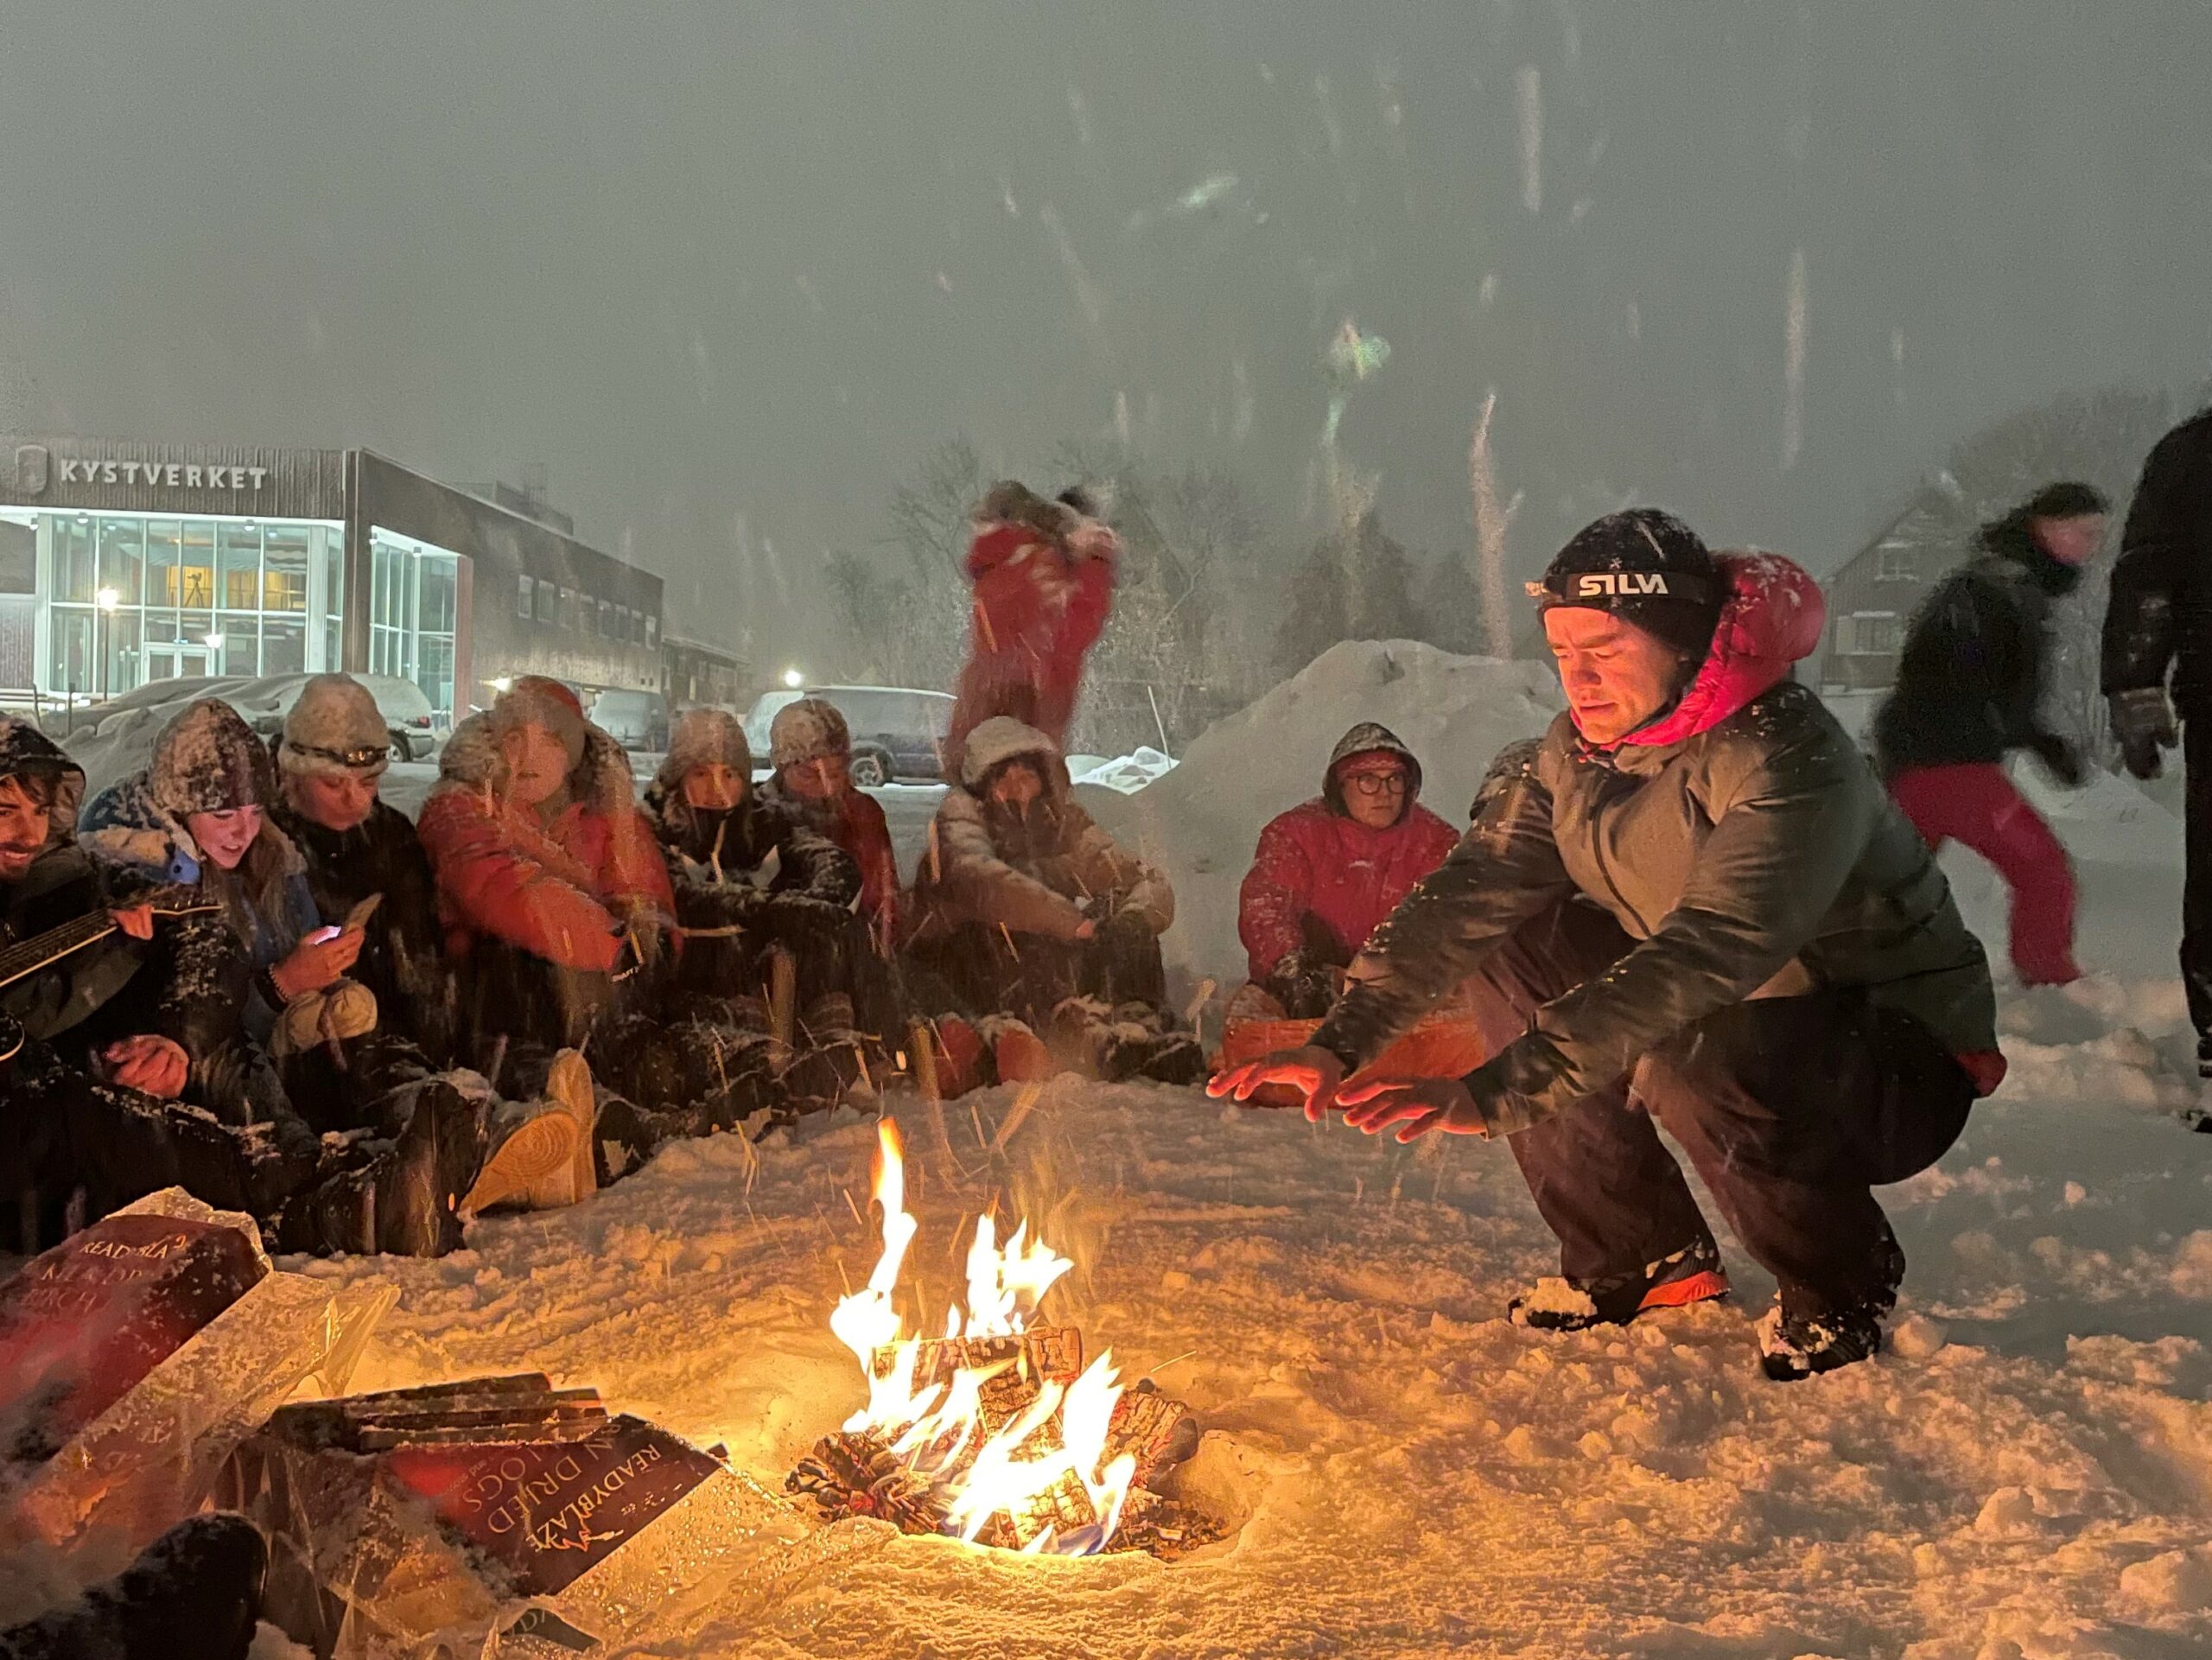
107,599
794,679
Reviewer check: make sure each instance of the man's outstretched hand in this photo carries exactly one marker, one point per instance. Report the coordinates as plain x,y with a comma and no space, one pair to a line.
1313,1071
1416,1108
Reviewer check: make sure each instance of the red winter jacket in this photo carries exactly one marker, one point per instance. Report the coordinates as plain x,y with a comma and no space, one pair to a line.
1317,860
1039,606
555,889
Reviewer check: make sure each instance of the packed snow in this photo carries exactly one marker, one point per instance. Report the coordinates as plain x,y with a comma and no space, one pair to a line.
2027,1472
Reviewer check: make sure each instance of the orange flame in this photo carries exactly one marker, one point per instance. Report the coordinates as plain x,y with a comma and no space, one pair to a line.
941,1433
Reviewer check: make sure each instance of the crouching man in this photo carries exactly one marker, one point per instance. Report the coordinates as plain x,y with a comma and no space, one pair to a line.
1327,872
1693,892
1033,920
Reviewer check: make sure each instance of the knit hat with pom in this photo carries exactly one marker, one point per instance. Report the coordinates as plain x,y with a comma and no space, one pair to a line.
335,729
810,729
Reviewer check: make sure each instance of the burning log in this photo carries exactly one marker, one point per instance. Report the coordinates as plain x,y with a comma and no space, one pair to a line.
998,1431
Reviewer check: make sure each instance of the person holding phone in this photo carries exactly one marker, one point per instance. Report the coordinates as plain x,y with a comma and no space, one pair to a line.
198,815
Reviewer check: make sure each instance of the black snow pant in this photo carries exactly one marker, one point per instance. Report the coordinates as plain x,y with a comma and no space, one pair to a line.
2196,887
1789,1108
235,1150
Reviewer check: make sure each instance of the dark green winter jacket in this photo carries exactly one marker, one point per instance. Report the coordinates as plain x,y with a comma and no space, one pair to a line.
1758,856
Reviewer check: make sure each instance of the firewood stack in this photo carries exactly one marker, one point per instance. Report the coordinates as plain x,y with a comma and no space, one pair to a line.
857,1473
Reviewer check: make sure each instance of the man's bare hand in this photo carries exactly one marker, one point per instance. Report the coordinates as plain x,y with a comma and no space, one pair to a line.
151,1066
136,920
1416,1108
1311,1071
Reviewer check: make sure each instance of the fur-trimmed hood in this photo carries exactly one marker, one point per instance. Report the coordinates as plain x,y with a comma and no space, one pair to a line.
125,827
1002,739
472,761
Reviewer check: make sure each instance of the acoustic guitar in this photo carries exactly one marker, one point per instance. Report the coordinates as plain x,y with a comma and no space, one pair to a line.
26,957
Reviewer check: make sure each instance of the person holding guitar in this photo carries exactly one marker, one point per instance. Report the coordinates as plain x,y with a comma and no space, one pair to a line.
263,984
77,991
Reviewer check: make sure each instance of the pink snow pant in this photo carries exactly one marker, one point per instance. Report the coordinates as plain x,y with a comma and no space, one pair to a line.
1978,806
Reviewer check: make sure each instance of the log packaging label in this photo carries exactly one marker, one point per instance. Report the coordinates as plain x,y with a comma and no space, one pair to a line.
82,1325
548,1510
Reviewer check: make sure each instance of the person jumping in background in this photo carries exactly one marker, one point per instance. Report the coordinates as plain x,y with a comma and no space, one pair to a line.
1969,691
1043,573
1329,870
1696,890
2160,625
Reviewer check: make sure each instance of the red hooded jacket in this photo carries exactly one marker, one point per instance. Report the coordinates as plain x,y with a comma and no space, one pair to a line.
554,888
1040,603
1317,860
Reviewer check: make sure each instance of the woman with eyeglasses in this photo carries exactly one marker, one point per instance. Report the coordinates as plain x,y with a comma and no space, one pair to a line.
1329,870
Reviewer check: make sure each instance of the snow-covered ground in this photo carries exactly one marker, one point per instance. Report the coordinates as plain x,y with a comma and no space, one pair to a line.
2028,1473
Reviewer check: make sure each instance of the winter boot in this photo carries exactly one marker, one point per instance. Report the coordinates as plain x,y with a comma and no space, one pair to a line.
1160,1057
541,1154
1021,1054
1691,1275
196,1590
419,1183
1792,1346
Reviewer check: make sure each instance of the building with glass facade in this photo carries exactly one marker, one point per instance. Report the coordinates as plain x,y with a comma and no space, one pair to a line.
123,563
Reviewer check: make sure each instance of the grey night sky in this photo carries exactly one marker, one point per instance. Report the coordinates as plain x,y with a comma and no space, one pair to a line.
729,269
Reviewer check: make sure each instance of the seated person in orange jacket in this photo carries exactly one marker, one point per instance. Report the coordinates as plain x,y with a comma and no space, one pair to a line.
1330,870
548,877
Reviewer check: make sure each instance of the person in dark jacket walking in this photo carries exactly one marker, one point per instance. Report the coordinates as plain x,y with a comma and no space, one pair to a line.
2159,634
1695,889
1327,872
1969,691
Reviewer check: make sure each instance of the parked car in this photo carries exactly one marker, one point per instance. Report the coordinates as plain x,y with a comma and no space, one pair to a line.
636,719
414,726
897,733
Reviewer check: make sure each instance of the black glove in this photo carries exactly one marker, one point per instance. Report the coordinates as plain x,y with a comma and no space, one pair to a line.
804,908
1124,929
2143,722
1300,986
2059,758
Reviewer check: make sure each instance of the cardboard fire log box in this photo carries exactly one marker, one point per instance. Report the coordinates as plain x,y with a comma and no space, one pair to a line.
496,1516
134,1357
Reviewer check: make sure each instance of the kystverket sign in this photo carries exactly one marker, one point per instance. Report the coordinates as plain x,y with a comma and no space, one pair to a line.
176,475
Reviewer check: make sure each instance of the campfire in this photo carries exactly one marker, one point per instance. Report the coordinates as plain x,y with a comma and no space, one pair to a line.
995,1432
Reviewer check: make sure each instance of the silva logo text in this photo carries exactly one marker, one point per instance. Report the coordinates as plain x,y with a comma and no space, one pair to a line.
1619,582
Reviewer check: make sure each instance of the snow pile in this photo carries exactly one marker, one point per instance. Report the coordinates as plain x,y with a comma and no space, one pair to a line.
1124,774
1202,821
